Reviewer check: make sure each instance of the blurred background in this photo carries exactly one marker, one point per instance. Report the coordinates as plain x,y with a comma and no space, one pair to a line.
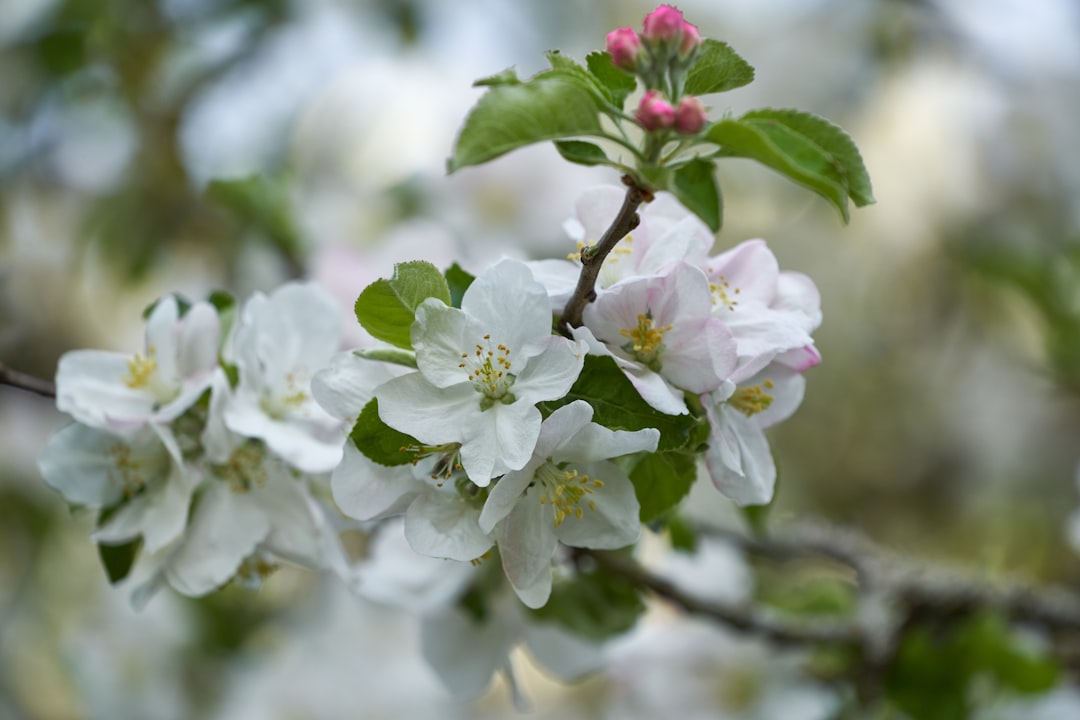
150,146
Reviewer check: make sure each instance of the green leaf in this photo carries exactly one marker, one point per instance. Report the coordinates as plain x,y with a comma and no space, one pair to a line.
387,308
617,405
786,151
594,604
830,138
459,281
695,187
683,535
506,77
394,356
619,82
508,117
378,441
661,480
262,203
717,68
582,153
119,559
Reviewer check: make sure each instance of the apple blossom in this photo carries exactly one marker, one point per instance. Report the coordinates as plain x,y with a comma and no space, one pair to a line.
624,46
690,115
654,113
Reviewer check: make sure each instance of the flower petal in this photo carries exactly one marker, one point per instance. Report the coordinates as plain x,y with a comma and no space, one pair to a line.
749,477
613,523
441,523
432,415
527,543
463,652
506,301
551,374
365,490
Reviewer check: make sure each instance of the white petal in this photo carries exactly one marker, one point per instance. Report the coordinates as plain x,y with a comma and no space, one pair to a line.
348,383
296,527
561,427
559,278
788,387
226,528
596,442
302,445
656,391
568,656
90,387
751,478
159,516
439,336
507,302
441,523
749,267
163,337
501,439
552,373
535,594
504,495
366,490
527,543
614,522
465,653
430,414
699,353
796,292
200,332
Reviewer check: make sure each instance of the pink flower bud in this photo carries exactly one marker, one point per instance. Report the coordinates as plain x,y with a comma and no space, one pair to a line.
691,39
624,46
664,23
690,115
654,112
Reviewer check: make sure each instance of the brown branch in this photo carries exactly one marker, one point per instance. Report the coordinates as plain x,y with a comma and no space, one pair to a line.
592,258
29,383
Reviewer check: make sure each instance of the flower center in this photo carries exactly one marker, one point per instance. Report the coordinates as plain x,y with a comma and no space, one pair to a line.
752,399
143,375
279,405
723,293
127,472
489,372
646,341
244,468
564,490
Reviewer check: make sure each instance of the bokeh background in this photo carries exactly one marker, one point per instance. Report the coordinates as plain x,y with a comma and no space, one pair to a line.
150,146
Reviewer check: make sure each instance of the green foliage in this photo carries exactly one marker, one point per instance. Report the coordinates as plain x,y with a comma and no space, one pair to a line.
378,441
934,668
387,308
617,405
695,186
718,68
814,595
458,281
594,604
804,148
619,82
582,153
513,115
261,203
681,533
117,559
661,480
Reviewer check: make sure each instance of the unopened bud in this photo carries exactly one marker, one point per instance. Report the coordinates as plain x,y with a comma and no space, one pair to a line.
654,112
624,46
664,23
690,115
691,40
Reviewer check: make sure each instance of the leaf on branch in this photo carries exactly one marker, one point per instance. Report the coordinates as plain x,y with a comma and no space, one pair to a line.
619,82
718,68
262,203
595,604
786,151
510,116
387,308
661,480
617,405
378,441
582,153
506,77
694,184
459,281
117,559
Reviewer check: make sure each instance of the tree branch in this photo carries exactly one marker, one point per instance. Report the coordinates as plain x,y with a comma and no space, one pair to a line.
592,258
29,383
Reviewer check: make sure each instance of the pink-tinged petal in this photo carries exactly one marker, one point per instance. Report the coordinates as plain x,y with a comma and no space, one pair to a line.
197,354
91,387
656,391
551,374
613,523
430,414
688,241
504,495
226,528
439,336
750,271
500,440
797,293
507,302
81,463
747,475
365,490
699,354
441,523
464,652
527,542
800,359
785,386
761,336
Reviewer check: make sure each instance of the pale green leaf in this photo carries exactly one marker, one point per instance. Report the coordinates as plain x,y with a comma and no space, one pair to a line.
386,308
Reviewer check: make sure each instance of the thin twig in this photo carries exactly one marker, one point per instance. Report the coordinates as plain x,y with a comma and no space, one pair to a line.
29,383
593,257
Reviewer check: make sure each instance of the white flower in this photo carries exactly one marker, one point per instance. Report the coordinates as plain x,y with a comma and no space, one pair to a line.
770,313
122,393
668,233
482,369
739,461
661,332
565,493
280,341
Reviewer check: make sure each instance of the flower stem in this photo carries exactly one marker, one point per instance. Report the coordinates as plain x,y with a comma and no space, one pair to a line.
26,382
592,258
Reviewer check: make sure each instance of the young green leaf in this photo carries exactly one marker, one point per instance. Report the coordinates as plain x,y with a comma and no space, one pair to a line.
582,153
386,308
459,281
619,82
786,151
378,441
830,138
695,187
661,480
717,68
506,77
508,117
